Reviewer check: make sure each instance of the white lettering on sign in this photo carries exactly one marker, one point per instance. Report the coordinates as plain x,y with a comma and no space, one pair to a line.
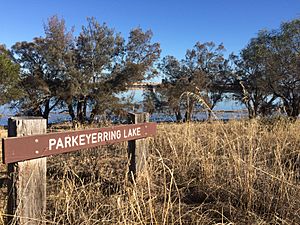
88,137
74,141
68,142
52,143
81,139
60,143
92,138
134,132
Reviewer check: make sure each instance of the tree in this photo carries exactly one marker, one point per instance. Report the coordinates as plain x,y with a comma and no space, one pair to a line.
152,101
269,70
83,73
173,85
283,65
203,71
251,77
97,48
9,77
208,59
43,65
105,64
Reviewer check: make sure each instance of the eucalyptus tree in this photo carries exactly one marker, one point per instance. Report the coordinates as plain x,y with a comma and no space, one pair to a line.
173,85
213,72
79,72
9,77
96,50
284,66
43,68
268,70
106,64
251,77
203,71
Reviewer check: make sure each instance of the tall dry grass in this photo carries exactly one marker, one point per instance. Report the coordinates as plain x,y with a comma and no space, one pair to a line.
241,172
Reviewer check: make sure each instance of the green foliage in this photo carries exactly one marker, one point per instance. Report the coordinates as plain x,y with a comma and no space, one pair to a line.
284,66
251,78
88,72
44,66
9,77
82,72
204,71
105,64
269,69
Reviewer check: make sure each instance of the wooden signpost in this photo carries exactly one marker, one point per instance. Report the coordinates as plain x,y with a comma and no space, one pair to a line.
27,146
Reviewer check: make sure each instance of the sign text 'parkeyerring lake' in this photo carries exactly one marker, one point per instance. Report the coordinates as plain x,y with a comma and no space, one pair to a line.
29,147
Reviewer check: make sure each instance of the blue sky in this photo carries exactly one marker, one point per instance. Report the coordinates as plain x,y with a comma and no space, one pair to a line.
177,25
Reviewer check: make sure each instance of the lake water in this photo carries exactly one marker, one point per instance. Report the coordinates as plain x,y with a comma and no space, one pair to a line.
229,105
157,117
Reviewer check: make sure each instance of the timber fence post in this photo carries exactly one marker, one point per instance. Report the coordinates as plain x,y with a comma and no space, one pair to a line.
27,179
137,149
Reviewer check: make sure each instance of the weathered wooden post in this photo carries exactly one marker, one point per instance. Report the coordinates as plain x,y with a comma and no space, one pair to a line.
137,149
27,179
28,145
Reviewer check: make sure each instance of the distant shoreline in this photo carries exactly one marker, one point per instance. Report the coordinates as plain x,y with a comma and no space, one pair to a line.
157,117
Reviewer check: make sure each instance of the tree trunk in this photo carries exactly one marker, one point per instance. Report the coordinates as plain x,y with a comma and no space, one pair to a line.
251,113
288,108
209,115
94,112
295,109
295,113
255,109
47,110
71,111
79,111
84,110
178,116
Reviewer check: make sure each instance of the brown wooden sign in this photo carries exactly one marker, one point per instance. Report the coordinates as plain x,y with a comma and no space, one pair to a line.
17,149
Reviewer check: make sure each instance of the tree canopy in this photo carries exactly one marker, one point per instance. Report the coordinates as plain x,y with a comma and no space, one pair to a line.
204,71
9,77
269,71
84,74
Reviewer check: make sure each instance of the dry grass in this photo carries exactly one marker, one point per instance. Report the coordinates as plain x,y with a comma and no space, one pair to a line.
242,172
3,134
